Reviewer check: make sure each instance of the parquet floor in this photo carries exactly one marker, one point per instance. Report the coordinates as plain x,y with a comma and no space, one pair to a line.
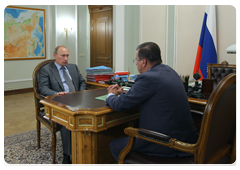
19,113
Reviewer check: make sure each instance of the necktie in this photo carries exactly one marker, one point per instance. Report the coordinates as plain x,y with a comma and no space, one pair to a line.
68,80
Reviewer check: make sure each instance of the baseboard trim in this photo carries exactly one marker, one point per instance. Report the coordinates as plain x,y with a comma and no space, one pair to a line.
18,91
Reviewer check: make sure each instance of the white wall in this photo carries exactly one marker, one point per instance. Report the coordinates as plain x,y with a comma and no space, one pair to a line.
150,23
125,37
188,24
83,48
226,32
153,23
66,17
118,52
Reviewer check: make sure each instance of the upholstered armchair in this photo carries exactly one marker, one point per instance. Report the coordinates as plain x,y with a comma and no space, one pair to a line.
40,109
217,138
218,71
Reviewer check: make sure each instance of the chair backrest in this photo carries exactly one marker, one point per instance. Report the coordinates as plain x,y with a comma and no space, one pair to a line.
35,78
219,71
219,120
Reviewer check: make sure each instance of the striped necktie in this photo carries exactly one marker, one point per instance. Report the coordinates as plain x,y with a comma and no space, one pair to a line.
68,80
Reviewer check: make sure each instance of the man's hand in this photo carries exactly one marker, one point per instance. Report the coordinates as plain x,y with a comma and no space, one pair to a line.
61,93
115,89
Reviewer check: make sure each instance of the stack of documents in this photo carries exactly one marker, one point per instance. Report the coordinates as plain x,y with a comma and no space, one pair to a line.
125,75
99,73
120,73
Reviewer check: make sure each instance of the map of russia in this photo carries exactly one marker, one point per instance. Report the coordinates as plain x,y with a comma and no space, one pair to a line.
23,33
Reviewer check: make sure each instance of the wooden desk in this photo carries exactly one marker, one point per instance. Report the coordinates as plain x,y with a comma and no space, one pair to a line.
197,106
92,124
93,85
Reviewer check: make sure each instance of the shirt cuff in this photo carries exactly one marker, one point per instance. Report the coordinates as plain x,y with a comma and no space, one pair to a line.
110,94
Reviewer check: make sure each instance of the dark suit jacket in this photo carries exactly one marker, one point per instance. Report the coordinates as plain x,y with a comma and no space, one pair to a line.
163,106
50,82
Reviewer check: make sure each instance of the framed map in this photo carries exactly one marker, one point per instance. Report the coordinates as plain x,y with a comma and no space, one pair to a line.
24,33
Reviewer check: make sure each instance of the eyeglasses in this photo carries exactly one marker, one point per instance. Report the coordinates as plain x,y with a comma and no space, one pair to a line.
135,60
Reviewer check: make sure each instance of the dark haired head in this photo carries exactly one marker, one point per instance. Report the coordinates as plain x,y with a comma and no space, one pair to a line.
149,51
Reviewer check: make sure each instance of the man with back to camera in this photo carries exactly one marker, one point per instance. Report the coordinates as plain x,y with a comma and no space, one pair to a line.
61,78
163,105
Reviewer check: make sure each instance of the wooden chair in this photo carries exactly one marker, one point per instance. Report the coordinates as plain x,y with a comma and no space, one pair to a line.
40,109
219,71
217,139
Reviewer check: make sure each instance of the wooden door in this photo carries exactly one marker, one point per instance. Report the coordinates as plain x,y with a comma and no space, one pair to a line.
101,43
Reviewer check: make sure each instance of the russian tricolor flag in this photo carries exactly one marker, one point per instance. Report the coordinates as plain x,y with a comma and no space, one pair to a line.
207,48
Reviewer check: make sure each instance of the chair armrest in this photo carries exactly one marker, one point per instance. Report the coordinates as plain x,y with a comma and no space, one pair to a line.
45,117
196,112
149,134
39,96
160,139
42,96
154,137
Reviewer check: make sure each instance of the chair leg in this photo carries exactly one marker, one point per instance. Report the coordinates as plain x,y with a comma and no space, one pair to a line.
38,133
53,147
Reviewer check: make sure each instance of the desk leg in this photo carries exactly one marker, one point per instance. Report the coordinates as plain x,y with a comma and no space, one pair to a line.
84,148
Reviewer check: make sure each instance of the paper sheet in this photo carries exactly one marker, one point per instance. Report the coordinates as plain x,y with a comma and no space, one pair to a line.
102,97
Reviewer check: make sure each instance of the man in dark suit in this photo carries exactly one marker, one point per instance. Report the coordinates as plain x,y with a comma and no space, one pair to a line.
163,105
54,80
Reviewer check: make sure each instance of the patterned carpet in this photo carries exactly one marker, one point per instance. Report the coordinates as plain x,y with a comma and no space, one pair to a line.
22,148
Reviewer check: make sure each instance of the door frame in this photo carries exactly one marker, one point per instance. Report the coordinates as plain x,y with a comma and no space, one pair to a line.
94,9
